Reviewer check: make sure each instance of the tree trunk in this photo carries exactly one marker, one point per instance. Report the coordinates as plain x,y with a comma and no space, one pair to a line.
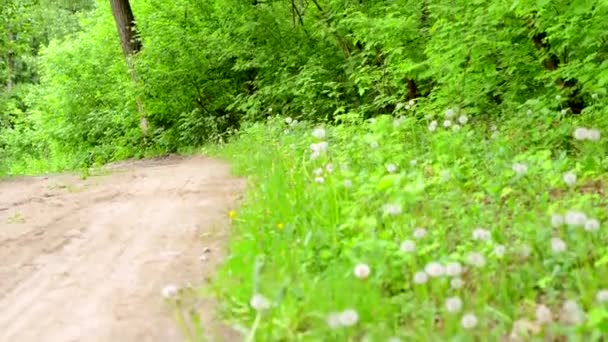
131,45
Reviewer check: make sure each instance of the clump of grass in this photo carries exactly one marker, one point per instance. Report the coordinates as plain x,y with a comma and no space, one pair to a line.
422,229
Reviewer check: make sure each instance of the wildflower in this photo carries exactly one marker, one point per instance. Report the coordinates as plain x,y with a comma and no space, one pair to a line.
280,226
408,246
320,180
476,260
571,313
318,133
391,168
433,126
419,233
333,320
453,269
602,296
348,183
169,291
392,209
449,113
421,277
557,220
374,145
456,283
362,271
581,133
447,123
456,128
434,269
329,168
463,119
592,225
319,147
558,245
481,234
288,120
500,251
593,134
575,218
453,304
349,317
318,172
232,214
570,178
468,321
543,314
259,303
520,169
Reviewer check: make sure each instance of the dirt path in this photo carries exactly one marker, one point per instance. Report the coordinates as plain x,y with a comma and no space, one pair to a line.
85,260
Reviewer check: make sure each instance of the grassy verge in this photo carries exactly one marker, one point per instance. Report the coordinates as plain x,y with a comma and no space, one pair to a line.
405,229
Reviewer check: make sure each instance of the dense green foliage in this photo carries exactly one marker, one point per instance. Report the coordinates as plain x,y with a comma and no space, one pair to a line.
206,67
415,226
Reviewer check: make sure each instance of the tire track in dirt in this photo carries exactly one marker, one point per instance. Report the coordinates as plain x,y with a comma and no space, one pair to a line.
85,260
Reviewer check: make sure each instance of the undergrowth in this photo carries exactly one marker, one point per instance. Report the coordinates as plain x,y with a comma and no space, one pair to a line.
415,229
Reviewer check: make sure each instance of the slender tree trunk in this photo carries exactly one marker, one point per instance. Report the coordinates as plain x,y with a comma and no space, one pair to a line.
131,45
10,64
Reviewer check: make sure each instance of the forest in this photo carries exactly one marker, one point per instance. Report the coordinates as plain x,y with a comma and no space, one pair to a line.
418,169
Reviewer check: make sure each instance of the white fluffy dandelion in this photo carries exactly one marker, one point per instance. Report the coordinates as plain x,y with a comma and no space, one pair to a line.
570,178
349,317
333,320
420,233
288,120
571,313
169,291
602,296
593,134
318,172
408,246
433,126
391,168
319,147
456,283
476,259
463,119
575,218
319,133
520,168
374,145
592,225
434,269
329,168
469,321
392,209
362,271
453,304
320,180
558,245
499,251
421,277
259,303
525,251
543,314
581,133
449,113
481,234
453,269
348,183
447,123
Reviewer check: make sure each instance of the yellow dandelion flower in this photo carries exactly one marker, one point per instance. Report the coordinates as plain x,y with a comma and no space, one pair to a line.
280,226
232,214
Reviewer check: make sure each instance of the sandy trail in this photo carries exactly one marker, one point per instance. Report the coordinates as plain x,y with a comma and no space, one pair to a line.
85,260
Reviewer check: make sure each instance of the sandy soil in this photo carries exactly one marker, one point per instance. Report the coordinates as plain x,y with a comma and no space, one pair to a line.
85,260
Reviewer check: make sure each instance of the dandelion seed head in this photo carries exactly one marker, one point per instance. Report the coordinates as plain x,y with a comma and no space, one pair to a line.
453,304
362,271
575,218
434,269
408,246
500,250
558,245
421,277
593,134
333,320
525,251
520,169
169,291
433,126
449,113
456,283
571,313
420,233
391,168
469,321
319,147
453,269
348,183
288,120
374,145
602,296
481,234
320,180
318,172
570,178
456,128
592,225
349,317
476,259
392,209
581,133
319,133
329,168
447,123
259,303
463,119
557,220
